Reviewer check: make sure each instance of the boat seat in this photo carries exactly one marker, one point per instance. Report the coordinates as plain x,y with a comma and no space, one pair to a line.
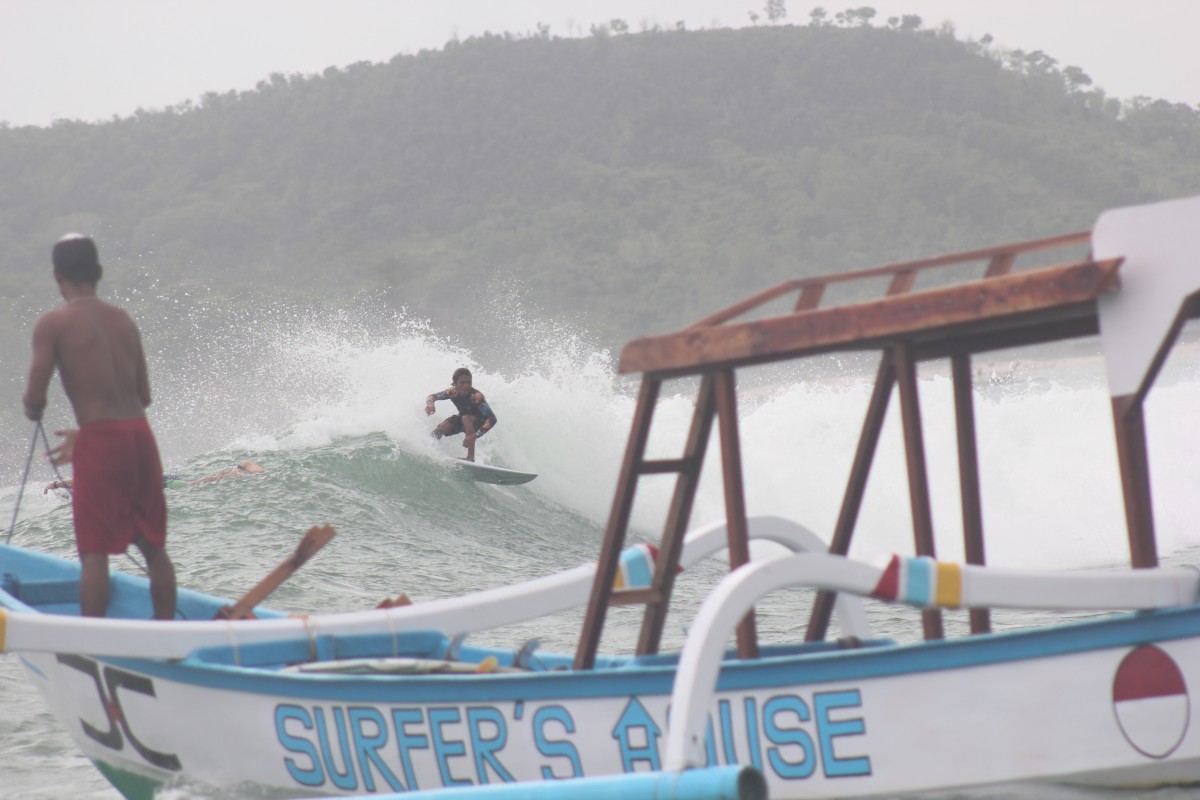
41,592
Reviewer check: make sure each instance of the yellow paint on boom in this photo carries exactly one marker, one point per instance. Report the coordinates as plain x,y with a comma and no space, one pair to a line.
949,585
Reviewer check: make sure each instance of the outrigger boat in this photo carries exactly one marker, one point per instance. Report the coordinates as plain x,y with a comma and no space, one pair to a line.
393,700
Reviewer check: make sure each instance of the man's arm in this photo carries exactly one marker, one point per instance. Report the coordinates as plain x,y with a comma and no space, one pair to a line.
216,476
489,417
442,395
41,368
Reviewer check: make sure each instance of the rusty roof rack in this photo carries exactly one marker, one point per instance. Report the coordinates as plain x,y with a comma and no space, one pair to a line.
979,315
1002,308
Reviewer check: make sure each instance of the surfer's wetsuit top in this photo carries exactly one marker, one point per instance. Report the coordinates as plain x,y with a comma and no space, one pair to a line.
473,404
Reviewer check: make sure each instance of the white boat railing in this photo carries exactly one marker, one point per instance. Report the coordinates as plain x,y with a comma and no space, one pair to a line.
453,616
917,581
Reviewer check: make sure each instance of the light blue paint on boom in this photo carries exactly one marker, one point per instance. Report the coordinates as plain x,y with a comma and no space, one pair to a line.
710,783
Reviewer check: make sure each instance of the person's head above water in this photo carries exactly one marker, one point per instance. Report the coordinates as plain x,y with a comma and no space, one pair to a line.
249,466
76,259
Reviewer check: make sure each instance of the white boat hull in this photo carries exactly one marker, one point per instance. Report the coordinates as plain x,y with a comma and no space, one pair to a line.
876,720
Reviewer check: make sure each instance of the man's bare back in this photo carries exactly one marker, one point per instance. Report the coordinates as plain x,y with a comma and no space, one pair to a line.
99,355
117,498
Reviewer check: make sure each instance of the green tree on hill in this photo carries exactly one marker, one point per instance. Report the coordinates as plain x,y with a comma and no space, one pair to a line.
632,182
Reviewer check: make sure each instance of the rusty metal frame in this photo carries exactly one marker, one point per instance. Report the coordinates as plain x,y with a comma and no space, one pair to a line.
680,512
735,497
618,524
1003,308
968,476
860,470
918,475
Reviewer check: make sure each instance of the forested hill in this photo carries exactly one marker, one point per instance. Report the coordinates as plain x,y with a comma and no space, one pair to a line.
635,182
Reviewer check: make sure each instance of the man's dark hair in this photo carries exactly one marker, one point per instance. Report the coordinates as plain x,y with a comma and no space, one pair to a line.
458,373
76,259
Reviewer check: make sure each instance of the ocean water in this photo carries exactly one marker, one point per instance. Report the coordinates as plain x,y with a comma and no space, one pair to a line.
331,404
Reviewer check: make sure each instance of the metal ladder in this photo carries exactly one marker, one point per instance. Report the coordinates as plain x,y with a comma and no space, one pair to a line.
717,397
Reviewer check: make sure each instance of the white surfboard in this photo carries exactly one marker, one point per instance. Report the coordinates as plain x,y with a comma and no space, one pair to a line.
487,473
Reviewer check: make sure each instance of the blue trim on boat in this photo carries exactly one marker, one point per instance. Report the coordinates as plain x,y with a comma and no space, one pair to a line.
919,572
615,676
51,578
636,567
631,678
707,783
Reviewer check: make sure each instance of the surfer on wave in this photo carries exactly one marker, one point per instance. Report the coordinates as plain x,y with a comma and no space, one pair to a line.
474,417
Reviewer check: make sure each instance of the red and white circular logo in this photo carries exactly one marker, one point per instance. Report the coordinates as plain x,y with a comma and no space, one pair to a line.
1150,699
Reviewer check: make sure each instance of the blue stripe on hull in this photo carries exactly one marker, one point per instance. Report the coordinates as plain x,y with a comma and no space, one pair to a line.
1124,630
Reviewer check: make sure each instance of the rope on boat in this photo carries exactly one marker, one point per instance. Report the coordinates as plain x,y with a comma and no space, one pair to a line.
24,479
46,444
40,429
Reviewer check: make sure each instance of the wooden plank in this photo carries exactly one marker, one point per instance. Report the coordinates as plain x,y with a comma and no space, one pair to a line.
932,314
316,538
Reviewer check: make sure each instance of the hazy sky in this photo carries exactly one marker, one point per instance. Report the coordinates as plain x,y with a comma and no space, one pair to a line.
91,59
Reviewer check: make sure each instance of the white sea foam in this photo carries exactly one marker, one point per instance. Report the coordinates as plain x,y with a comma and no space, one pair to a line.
1050,488
274,377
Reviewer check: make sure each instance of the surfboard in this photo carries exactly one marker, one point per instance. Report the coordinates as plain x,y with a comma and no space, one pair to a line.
487,473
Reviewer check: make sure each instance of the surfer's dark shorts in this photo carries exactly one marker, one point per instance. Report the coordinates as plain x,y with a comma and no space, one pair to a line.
455,424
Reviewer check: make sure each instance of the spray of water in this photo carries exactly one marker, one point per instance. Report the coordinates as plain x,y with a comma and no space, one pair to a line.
236,376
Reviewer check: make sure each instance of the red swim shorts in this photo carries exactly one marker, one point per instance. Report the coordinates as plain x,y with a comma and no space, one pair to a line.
117,495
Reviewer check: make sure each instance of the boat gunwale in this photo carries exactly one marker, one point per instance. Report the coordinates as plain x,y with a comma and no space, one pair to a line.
883,658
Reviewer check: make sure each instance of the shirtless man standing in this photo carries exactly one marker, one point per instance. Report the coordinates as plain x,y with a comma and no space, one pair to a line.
118,493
